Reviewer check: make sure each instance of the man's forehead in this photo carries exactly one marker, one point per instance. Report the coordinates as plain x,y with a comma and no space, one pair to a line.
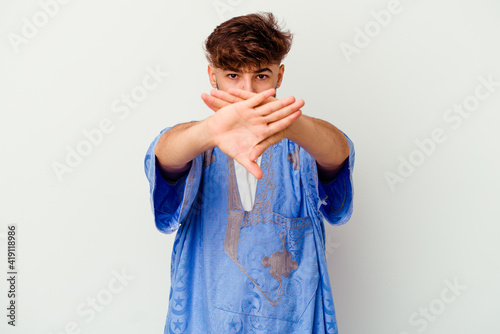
252,69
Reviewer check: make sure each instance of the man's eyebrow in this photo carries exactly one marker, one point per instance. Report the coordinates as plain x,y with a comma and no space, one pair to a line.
260,70
266,69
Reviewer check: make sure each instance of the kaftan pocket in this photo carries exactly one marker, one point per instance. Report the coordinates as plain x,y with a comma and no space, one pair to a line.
274,269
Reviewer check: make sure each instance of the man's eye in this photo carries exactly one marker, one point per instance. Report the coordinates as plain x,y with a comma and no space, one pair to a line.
232,76
262,76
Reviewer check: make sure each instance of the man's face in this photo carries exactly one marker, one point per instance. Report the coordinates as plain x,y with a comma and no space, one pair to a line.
254,80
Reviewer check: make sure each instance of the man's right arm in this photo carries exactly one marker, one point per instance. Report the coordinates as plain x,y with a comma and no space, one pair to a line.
177,147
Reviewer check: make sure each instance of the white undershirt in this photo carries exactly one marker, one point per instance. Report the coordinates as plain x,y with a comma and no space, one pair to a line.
247,184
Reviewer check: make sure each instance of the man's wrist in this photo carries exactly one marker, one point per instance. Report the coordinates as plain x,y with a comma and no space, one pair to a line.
207,132
293,130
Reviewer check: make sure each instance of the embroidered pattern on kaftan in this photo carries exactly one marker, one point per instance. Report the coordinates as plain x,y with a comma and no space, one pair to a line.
257,271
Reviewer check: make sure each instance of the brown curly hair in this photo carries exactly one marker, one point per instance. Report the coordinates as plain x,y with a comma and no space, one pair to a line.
248,41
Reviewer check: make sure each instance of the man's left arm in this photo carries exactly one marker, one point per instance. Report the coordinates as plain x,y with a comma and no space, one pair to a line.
323,141
333,153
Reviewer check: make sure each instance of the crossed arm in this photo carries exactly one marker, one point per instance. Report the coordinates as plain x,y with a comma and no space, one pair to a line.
243,126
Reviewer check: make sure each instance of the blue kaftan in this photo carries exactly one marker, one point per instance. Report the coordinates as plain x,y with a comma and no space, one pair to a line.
258,271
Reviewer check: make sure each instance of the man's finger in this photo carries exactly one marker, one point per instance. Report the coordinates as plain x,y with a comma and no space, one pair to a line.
242,94
259,149
283,123
271,107
213,102
225,96
245,95
250,165
259,98
284,112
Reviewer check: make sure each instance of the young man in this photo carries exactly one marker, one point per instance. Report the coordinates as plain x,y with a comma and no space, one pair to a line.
247,190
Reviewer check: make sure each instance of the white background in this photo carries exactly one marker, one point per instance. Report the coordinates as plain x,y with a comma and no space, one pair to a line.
388,265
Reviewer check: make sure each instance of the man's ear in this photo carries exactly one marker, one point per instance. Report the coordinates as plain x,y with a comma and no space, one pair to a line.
211,76
281,71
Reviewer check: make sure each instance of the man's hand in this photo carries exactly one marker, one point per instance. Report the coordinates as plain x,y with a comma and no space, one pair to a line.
219,99
244,126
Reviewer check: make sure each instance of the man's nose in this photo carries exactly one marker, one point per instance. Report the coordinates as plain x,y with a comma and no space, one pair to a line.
246,84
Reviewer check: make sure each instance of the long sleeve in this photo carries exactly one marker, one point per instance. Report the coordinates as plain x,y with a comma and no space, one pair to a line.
171,202
335,199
